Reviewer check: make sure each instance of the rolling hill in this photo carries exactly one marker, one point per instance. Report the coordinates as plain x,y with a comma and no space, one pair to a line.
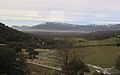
8,34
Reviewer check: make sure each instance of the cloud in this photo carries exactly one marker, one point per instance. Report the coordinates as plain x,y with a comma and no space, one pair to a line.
33,14
61,10
105,22
53,16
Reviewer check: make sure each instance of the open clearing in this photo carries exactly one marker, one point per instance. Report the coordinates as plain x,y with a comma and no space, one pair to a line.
102,56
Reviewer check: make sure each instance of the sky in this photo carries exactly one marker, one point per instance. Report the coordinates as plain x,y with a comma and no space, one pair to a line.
33,12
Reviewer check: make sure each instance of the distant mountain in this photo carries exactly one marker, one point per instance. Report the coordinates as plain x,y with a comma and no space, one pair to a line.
53,26
8,34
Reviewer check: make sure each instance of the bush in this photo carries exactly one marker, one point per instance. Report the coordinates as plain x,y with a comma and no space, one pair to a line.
117,63
87,68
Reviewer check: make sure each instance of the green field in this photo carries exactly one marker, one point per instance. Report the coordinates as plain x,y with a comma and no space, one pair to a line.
102,56
99,42
84,42
99,55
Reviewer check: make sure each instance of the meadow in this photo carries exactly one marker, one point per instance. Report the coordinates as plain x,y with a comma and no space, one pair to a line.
101,56
96,53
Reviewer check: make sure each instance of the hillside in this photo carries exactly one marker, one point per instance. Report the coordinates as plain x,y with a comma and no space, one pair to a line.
8,34
100,35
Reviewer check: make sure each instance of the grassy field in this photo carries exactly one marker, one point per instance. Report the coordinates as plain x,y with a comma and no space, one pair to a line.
102,56
84,42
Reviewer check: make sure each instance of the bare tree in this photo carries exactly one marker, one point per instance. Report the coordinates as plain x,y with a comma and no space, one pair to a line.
70,61
118,40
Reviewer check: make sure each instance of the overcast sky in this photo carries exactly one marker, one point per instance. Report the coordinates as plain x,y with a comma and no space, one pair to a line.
32,12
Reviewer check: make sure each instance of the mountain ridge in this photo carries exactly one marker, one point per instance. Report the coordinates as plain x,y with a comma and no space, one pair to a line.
69,27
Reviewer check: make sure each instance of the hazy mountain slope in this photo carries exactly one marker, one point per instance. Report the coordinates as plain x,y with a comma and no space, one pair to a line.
70,27
53,25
